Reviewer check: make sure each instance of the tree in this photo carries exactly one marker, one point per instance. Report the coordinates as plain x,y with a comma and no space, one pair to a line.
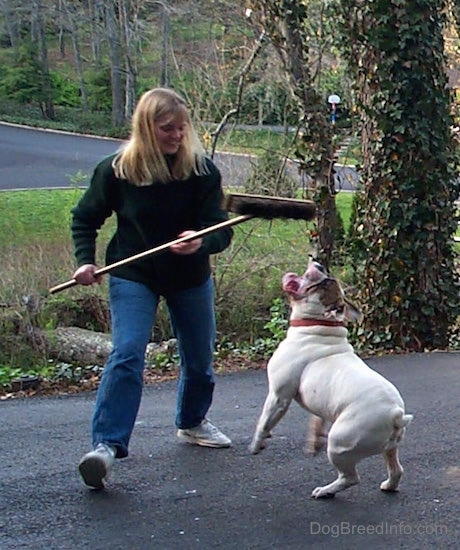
22,80
12,22
406,215
69,11
39,38
116,63
286,23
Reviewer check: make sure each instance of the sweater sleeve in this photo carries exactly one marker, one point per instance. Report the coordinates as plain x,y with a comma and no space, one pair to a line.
91,211
212,212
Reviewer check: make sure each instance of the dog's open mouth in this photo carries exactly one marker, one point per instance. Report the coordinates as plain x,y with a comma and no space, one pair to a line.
318,295
297,285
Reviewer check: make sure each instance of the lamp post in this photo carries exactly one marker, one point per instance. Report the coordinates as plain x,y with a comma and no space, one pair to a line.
333,100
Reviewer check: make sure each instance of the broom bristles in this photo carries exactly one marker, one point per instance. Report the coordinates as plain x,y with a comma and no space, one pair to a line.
261,206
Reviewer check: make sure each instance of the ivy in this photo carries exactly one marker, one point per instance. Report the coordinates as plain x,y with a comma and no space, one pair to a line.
404,219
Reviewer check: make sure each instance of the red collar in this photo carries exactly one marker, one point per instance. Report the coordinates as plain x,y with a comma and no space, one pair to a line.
315,322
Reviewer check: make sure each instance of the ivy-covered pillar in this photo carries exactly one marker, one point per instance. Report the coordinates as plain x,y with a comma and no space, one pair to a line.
405,214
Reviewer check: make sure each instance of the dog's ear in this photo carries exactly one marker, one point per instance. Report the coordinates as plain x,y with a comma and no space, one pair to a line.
352,313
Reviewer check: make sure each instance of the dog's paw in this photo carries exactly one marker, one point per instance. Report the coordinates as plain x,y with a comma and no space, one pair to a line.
321,492
258,443
255,448
315,446
389,487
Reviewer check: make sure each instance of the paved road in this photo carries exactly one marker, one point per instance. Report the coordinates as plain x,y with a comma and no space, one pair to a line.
32,158
168,495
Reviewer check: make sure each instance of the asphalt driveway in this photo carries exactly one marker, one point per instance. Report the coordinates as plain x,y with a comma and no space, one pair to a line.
169,495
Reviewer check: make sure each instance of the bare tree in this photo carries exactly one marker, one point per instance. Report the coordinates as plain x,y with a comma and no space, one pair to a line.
166,11
116,64
70,17
235,110
284,24
12,20
96,24
38,36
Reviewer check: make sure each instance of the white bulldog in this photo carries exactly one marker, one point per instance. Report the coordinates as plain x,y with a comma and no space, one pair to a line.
316,366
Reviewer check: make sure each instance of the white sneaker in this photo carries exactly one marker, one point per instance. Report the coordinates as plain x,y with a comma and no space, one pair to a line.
94,467
206,435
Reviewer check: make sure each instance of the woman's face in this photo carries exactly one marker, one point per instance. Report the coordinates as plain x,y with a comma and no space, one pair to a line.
169,133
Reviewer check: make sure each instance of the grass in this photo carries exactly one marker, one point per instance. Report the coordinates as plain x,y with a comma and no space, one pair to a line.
38,216
254,141
36,254
28,216
36,249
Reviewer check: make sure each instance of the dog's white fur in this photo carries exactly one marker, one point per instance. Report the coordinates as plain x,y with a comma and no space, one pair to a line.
316,366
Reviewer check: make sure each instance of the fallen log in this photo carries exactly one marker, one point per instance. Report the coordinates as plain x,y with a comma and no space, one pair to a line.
81,347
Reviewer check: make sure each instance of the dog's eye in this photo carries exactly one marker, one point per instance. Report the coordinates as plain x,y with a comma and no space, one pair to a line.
319,267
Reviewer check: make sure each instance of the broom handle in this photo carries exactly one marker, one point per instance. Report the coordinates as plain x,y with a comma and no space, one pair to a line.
156,250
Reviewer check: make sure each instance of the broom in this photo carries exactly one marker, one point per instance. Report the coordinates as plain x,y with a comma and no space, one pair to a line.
248,206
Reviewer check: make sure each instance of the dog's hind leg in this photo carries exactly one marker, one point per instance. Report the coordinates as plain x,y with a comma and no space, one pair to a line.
341,451
395,470
317,435
274,409
347,477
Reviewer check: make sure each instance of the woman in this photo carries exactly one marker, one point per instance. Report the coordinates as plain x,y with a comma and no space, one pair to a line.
160,186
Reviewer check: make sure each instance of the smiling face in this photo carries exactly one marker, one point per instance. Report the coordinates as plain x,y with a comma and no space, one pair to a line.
169,133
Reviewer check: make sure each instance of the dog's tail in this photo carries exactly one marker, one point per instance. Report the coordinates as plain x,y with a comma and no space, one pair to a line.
400,421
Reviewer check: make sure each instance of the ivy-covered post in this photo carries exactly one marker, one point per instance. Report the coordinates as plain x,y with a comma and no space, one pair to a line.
405,214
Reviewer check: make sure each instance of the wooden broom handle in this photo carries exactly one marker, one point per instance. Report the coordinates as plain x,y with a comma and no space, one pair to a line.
156,250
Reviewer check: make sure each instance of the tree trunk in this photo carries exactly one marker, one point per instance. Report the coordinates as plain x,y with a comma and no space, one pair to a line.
71,18
164,74
60,21
284,23
116,71
39,35
11,23
96,18
406,213
127,16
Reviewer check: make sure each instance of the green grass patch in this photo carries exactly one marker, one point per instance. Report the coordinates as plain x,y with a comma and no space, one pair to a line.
36,253
44,215
344,206
256,141
30,216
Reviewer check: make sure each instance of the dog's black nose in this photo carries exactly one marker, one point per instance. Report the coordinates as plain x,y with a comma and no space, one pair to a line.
319,267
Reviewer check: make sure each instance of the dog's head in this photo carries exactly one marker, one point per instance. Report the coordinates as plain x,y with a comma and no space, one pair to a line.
317,295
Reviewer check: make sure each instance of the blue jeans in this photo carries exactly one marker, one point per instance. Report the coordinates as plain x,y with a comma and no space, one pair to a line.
133,311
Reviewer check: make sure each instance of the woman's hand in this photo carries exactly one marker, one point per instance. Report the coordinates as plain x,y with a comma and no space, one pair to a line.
188,247
85,275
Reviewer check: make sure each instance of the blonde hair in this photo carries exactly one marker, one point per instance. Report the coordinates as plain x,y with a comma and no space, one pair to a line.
141,161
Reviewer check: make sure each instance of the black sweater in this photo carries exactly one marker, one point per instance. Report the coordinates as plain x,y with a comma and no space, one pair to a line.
149,216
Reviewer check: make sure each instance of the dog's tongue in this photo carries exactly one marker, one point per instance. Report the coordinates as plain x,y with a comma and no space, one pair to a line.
291,283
